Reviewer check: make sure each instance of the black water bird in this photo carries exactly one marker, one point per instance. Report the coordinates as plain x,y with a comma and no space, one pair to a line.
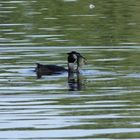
74,61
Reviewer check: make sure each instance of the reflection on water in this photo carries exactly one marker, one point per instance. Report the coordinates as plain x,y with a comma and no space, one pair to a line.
75,81
102,102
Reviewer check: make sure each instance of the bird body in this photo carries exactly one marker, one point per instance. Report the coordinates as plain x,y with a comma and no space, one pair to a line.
49,69
74,60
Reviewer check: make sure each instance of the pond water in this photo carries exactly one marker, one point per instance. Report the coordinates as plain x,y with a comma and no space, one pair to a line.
103,102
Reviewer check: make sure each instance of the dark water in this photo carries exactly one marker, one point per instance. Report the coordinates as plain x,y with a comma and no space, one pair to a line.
103,103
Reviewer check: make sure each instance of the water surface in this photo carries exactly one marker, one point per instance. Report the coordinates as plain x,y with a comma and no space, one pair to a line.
103,103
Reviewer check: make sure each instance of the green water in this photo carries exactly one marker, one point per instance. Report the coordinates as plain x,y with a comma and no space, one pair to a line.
103,103
71,23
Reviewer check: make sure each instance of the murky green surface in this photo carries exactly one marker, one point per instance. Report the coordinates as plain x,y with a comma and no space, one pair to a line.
104,103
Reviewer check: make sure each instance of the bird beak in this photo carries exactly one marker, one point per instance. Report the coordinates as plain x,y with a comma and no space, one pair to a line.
84,59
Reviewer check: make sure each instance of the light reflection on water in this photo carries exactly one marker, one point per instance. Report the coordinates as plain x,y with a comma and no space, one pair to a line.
104,101
39,108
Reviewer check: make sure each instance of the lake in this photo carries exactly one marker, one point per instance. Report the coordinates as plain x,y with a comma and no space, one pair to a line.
103,101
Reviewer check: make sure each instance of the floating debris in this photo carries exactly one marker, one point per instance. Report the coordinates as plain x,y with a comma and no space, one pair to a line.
91,6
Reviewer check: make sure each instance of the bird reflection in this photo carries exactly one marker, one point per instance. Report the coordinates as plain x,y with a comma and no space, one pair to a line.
75,81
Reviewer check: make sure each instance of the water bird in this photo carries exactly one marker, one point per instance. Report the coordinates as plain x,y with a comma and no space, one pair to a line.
75,61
